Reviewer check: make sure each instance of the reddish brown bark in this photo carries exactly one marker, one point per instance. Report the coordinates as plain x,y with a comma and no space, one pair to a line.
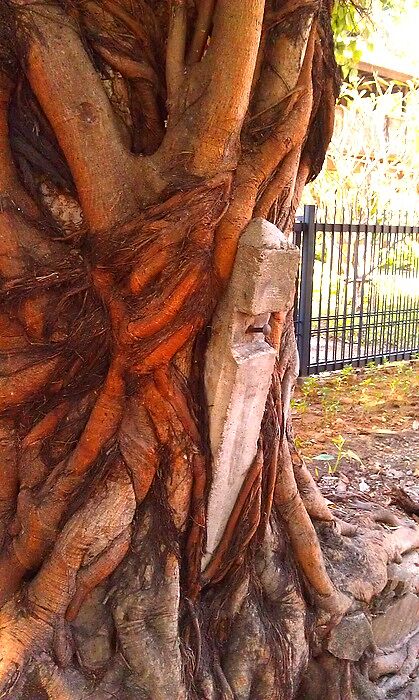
166,126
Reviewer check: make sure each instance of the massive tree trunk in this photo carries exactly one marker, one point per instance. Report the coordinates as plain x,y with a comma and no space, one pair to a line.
137,141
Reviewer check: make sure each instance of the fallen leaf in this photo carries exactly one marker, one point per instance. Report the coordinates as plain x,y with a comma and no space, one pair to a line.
353,455
324,457
384,431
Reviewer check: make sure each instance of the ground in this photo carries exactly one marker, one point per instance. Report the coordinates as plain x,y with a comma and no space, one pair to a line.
358,432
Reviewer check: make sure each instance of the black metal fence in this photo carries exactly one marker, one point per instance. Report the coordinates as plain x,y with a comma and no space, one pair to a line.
358,292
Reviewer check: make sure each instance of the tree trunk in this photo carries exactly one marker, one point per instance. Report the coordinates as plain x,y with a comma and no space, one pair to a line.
138,140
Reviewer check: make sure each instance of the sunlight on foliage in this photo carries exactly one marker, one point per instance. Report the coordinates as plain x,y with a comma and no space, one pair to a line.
373,159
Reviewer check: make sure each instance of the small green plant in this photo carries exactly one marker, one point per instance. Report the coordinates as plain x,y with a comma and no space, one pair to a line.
299,405
347,371
330,403
339,442
309,386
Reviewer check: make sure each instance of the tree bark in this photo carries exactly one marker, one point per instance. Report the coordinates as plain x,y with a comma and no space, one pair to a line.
137,141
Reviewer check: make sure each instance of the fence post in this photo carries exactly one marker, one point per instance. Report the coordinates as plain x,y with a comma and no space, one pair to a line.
306,289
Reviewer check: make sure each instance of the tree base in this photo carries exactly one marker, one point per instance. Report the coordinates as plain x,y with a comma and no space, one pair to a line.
256,635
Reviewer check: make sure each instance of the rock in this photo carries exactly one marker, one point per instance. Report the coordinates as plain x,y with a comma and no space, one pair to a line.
351,637
363,486
399,622
404,577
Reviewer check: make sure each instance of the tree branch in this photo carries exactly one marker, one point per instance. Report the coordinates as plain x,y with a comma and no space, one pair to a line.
215,94
261,161
72,96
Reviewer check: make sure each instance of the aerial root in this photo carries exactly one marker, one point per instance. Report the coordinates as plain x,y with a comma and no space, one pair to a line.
201,31
176,429
39,514
270,487
143,274
169,308
169,388
166,351
195,541
215,569
139,446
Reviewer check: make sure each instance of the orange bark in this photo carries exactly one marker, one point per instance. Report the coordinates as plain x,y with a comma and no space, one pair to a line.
161,318
163,354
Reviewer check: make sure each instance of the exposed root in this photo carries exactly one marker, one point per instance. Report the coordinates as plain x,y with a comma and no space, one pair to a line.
8,474
91,576
39,514
146,611
57,684
405,501
28,624
303,536
314,502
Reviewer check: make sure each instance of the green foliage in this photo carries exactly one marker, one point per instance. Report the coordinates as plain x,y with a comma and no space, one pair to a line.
373,158
352,29
355,23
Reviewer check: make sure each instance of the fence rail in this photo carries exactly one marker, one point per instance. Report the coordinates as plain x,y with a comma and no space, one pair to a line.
358,292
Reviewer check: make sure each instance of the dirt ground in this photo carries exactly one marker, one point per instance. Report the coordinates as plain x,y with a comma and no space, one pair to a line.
358,432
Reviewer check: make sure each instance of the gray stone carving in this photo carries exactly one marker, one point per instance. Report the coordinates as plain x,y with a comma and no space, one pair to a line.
240,362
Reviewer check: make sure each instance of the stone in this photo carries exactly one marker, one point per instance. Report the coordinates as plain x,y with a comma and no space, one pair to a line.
404,577
240,362
399,622
351,637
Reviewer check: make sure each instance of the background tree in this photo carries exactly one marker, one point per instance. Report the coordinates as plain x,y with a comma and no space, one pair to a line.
138,139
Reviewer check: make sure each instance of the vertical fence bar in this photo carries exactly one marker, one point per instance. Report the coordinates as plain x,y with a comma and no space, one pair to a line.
306,289
383,327
361,350
345,300
320,305
329,296
337,302
370,253
399,314
354,292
